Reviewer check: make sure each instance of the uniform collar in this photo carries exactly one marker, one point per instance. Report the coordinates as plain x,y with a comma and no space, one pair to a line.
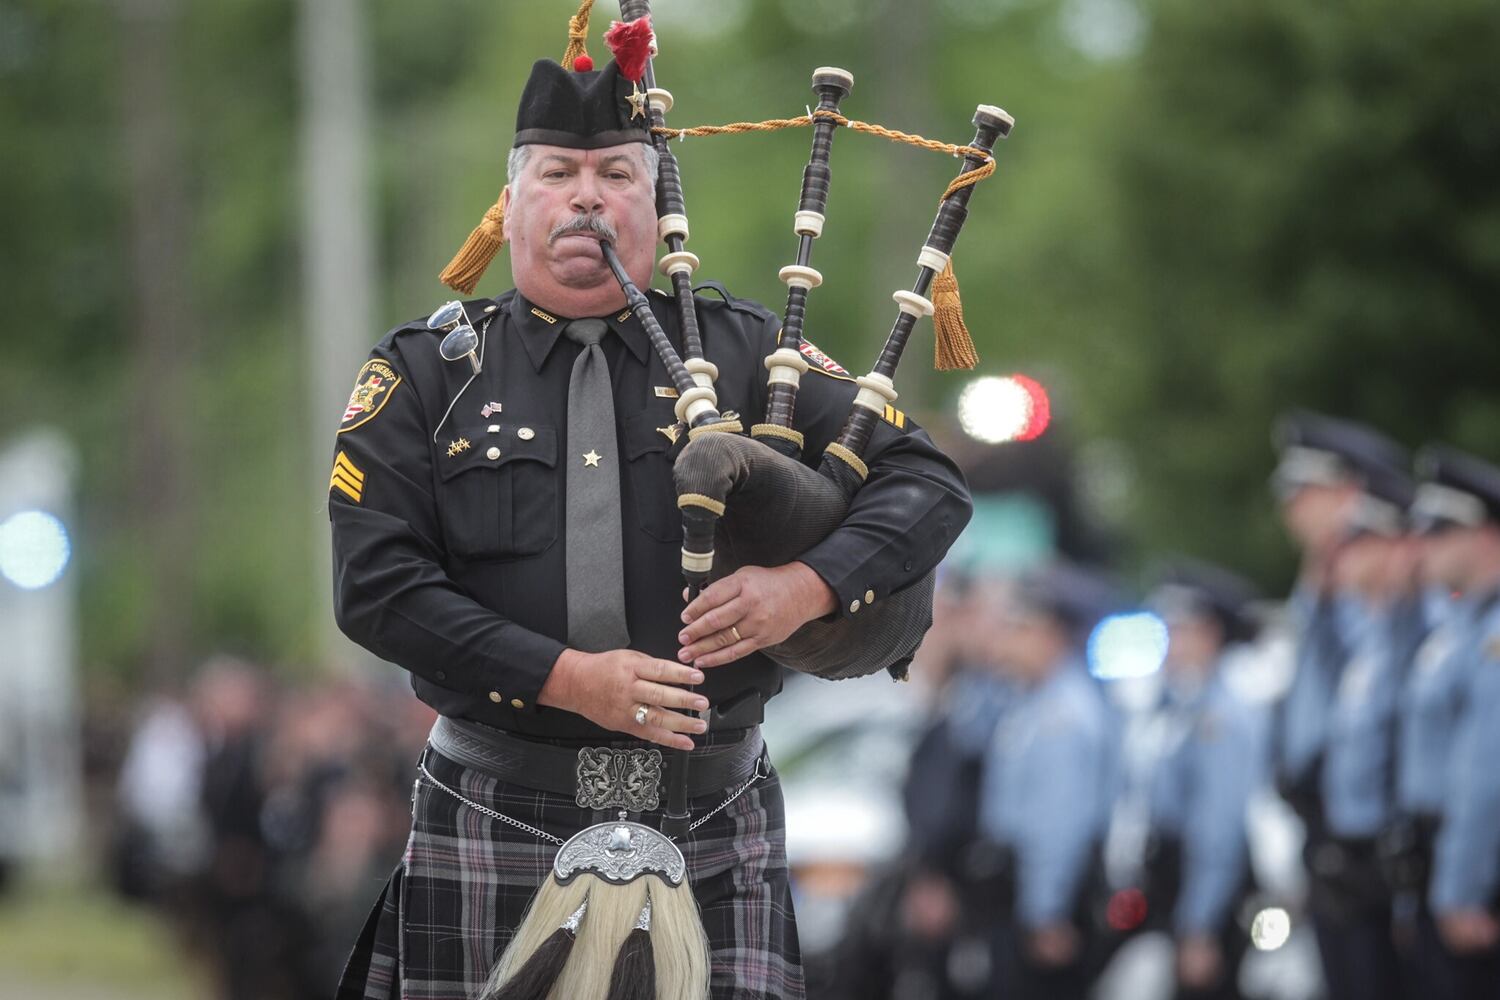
541,330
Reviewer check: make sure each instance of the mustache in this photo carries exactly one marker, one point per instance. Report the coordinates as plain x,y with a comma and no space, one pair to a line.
583,223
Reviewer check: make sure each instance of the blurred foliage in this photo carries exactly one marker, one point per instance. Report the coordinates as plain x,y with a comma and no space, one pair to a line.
1207,213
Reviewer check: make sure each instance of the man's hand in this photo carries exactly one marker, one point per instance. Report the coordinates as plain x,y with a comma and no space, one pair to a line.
1468,931
1199,961
608,688
1053,945
752,608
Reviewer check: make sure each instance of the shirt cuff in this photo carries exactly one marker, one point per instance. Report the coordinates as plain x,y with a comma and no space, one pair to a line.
527,659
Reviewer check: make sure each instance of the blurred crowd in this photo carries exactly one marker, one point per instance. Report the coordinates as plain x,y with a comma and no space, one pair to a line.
262,818
1088,774
1054,813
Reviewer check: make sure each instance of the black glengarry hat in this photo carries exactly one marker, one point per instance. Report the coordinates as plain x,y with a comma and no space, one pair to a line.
579,110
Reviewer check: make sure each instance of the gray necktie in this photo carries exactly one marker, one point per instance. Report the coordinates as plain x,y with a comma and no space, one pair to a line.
595,565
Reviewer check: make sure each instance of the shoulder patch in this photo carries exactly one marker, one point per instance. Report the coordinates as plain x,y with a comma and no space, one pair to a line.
373,388
347,478
895,417
823,363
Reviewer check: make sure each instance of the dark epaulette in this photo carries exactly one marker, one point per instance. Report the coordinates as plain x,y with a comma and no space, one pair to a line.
739,305
477,310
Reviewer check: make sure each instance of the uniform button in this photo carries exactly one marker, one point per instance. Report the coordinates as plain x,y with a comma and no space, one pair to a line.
496,697
907,566
517,703
525,433
492,454
492,429
854,606
489,309
869,597
442,676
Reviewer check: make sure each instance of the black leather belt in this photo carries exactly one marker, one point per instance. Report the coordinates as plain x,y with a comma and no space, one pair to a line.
632,778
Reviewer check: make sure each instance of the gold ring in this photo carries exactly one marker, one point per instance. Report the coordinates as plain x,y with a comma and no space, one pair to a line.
736,633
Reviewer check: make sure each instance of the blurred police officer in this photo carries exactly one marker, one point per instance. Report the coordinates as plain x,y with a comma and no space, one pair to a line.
1207,759
1047,783
1378,617
1448,785
1322,466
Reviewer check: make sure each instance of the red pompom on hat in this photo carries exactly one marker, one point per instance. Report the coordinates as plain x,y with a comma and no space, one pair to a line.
631,42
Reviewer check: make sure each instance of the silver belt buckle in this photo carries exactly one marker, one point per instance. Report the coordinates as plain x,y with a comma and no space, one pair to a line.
612,778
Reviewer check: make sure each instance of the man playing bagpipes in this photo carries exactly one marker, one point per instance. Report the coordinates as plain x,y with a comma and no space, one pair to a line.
507,529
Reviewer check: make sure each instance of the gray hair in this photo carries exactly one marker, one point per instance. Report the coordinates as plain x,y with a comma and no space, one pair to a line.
515,163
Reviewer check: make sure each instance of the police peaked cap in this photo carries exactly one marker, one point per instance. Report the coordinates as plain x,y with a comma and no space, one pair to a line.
578,110
1078,598
1188,586
1457,488
1318,450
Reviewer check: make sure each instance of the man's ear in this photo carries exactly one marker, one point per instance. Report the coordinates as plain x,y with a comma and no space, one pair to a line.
505,211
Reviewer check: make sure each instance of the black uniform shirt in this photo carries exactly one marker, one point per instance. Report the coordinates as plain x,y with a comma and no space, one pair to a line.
448,526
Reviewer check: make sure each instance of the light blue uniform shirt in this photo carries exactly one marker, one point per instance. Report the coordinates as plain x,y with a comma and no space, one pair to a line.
1466,863
1211,760
1431,706
1359,756
1046,789
1304,710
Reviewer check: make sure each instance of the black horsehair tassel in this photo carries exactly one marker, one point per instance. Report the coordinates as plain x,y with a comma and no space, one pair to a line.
535,979
634,977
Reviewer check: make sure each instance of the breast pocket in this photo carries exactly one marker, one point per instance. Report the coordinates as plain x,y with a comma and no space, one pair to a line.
498,495
650,449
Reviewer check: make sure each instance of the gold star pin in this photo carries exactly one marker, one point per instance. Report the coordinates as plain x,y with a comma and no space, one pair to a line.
637,101
459,446
592,458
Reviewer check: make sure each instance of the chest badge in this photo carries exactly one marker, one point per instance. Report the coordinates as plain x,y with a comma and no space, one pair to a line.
489,409
459,447
591,459
671,432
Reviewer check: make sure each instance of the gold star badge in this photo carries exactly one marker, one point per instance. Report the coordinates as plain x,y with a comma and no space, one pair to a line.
458,447
637,101
592,458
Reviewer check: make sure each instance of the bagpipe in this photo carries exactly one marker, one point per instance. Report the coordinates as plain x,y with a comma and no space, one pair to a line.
745,499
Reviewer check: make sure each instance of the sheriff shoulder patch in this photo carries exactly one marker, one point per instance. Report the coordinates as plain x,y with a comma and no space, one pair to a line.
823,363
373,388
347,478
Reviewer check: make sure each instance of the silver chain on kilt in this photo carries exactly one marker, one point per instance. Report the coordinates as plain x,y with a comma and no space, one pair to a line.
543,835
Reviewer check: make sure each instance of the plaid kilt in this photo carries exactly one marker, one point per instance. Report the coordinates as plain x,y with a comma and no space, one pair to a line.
466,879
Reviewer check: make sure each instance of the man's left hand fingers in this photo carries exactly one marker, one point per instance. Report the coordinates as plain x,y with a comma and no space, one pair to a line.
727,654
716,620
721,592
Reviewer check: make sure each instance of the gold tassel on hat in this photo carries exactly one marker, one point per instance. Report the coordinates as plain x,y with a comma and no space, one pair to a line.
468,265
953,347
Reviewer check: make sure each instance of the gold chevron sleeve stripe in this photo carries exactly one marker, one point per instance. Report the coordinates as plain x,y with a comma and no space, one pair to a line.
348,468
344,486
347,478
